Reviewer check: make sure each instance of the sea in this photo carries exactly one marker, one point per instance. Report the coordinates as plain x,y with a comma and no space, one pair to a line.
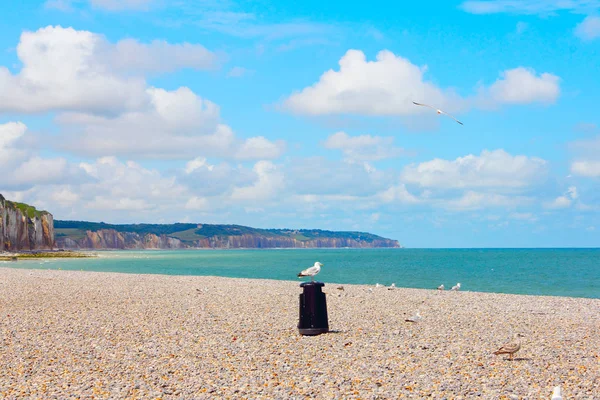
548,272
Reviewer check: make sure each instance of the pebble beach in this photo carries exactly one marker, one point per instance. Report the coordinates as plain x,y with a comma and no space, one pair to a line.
90,335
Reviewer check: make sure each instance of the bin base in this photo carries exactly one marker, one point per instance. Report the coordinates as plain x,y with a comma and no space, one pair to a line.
312,331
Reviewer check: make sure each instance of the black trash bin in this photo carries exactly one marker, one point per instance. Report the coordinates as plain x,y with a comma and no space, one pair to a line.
313,309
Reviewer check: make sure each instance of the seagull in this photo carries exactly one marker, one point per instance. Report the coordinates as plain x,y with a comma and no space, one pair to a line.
441,287
378,285
556,393
456,287
312,271
392,286
437,110
414,318
511,347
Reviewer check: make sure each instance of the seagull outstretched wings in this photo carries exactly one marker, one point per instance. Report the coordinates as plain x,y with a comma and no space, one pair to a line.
437,110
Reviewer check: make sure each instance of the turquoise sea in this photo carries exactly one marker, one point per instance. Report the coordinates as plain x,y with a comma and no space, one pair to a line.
557,272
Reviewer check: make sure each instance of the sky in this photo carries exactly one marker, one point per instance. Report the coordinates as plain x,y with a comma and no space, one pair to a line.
277,114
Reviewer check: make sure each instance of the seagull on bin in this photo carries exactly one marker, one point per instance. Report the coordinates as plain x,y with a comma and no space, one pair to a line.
312,271
437,110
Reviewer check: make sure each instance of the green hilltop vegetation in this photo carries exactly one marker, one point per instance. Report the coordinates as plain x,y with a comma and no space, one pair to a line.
190,232
26,209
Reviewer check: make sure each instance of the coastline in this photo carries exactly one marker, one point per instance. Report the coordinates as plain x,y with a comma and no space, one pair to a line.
115,335
35,254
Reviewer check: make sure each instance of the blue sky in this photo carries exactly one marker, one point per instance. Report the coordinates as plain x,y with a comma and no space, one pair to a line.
272,114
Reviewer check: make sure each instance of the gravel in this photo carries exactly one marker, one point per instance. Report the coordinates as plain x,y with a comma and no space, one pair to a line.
72,334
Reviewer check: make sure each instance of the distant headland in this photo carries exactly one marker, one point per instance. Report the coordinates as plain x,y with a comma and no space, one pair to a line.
24,228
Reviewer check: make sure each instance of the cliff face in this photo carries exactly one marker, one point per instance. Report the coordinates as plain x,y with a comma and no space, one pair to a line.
24,228
262,242
112,239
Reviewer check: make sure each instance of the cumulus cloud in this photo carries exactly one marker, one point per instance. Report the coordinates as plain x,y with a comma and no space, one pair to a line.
472,200
522,86
589,28
564,201
21,168
127,186
389,85
178,124
586,168
386,86
67,69
260,148
397,194
491,169
363,147
320,176
269,181
197,163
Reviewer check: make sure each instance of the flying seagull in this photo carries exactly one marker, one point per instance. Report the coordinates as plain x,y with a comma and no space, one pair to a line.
511,347
437,110
312,271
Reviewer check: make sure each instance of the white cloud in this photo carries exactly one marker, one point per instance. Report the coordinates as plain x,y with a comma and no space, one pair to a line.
260,148
543,7
129,55
198,204
397,194
10,132
320,176
472,200
386,86
363,147
20,167
66,69
522,85
64,196
559,202
589,28
492,169
565,200
268,183
196,163
178,124
389,85
128,186
37,169
120,5
587,168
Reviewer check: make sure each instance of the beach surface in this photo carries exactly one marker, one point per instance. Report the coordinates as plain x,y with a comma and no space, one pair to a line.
71,334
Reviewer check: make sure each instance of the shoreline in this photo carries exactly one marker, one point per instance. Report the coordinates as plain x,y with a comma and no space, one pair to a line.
367,285
115,335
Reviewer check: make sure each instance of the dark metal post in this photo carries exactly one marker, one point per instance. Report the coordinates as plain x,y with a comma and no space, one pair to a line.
313,309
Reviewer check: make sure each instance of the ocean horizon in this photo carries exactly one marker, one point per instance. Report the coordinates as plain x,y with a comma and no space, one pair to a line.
571,272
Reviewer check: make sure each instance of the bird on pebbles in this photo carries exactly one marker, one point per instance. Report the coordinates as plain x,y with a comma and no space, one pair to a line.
511,347
312,271
456,287
415,318
441,287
